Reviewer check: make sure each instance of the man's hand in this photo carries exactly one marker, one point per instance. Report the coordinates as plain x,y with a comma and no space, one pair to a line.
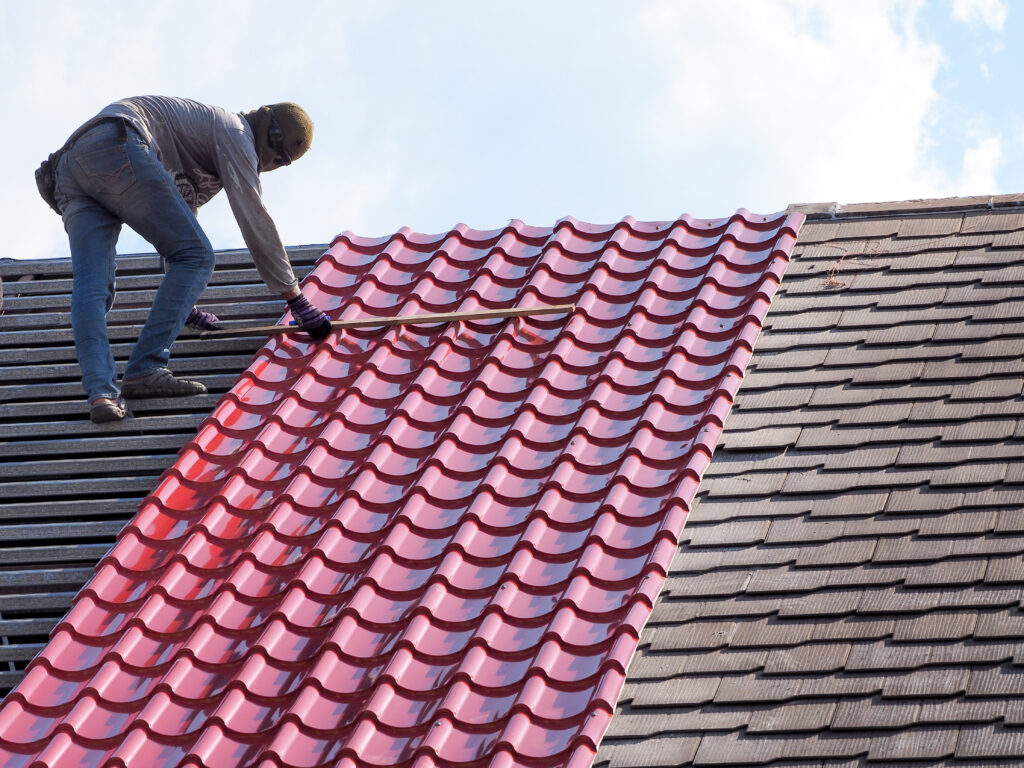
204,321
310,319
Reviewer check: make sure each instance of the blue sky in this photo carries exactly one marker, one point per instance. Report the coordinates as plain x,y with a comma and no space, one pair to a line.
433,113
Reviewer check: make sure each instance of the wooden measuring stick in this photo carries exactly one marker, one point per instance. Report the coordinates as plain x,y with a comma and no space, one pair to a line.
370,322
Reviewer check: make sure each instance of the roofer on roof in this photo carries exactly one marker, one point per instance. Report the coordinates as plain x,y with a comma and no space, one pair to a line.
150,162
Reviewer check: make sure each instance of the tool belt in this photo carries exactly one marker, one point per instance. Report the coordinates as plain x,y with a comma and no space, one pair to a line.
46,173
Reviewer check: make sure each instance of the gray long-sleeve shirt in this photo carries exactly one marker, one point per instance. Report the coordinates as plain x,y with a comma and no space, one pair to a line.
207,149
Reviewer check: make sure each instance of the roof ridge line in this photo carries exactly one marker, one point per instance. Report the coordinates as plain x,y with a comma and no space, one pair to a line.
915,207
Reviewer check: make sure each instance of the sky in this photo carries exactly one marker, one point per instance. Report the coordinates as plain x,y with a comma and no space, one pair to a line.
430,114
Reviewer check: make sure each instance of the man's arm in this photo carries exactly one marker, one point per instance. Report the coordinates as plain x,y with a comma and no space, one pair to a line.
238,162
237,159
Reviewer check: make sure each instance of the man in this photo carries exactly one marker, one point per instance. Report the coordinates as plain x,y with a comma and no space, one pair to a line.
150,162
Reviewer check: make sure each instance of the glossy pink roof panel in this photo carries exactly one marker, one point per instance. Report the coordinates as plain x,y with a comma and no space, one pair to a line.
423,545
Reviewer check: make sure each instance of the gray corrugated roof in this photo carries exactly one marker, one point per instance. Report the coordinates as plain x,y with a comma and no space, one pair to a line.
849,585
66,485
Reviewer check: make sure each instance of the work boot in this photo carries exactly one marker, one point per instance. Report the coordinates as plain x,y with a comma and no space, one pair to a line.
104,410
161,383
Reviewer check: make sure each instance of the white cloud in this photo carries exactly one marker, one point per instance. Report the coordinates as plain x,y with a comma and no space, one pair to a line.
59,75
990,13
980,165
797,101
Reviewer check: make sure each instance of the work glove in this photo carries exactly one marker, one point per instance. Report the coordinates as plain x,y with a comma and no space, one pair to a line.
310,319
204,321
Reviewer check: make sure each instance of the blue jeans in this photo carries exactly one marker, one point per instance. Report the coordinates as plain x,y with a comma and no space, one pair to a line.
103,181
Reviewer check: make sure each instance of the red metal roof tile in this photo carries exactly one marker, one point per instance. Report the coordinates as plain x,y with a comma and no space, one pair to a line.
424,545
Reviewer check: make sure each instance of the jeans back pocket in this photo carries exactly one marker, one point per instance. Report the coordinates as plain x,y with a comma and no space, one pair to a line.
105,169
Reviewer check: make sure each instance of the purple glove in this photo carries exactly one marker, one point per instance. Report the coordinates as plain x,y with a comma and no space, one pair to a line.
204,321
310,319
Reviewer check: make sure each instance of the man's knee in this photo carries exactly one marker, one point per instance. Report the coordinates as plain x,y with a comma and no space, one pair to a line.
200,260
92,301
199,256
207,260
91,288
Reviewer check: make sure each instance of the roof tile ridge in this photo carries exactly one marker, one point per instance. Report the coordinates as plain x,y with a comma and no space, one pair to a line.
915,206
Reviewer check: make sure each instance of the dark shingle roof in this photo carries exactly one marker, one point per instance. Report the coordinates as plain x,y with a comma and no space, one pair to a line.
67,486
848,586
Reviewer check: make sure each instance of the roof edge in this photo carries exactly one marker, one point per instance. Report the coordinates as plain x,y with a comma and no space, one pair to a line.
906,207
